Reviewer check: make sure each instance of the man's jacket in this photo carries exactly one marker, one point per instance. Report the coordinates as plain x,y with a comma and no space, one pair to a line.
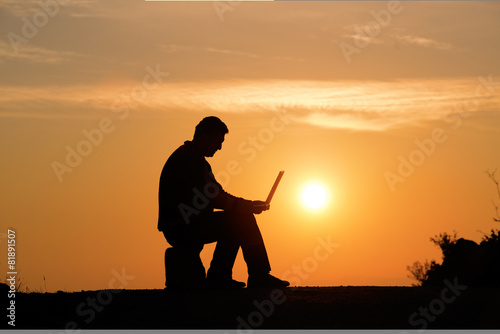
188,189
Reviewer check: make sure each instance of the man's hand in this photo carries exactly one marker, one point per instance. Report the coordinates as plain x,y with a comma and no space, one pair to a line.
259,206
254,207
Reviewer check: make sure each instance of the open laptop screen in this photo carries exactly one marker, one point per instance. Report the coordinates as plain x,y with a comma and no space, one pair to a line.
275,186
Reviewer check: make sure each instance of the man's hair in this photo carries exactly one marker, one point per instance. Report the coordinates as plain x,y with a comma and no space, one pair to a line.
210,125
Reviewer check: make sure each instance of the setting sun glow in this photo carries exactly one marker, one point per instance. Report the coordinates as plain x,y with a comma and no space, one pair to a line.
314,196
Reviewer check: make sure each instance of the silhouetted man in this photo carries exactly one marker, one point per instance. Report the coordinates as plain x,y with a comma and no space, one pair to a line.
189,194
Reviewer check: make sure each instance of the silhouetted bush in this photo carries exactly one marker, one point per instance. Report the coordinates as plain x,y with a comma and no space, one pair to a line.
471,263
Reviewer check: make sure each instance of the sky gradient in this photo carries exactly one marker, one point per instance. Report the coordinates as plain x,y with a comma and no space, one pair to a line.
392,106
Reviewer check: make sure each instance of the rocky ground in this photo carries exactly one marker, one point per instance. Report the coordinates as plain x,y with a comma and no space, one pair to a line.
451,307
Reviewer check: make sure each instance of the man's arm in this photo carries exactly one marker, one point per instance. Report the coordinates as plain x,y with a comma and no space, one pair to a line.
226,201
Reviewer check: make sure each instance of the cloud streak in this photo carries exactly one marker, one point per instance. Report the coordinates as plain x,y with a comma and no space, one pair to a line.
26,8
424,42
354,105
174,48
33,54
407,40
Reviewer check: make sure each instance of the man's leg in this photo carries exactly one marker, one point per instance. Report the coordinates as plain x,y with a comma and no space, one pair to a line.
244,229
252,244
232,230
213,228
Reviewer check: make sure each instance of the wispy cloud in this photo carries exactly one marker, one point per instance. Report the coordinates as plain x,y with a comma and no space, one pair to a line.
20,8
233,53
56,101
172,48
26,8
345,120
424,42
33,54
358,32
355,105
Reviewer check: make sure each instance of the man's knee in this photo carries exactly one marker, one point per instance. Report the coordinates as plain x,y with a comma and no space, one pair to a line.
240,214
170,239
248,217
183,241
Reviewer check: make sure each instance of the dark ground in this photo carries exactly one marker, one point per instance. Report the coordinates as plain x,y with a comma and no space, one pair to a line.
291,308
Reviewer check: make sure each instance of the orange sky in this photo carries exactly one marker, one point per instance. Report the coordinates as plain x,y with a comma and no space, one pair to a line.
399,127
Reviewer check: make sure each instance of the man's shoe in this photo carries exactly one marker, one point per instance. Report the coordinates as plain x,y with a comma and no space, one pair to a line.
266,281
223,284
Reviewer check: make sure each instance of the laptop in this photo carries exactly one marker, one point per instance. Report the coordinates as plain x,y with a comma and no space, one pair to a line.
273,189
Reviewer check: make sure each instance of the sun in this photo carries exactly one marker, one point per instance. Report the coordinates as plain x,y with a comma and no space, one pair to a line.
314,196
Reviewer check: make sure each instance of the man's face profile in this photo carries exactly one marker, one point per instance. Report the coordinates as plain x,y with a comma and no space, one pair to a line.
213,144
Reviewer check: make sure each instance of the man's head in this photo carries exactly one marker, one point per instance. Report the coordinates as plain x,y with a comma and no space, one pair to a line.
209,135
